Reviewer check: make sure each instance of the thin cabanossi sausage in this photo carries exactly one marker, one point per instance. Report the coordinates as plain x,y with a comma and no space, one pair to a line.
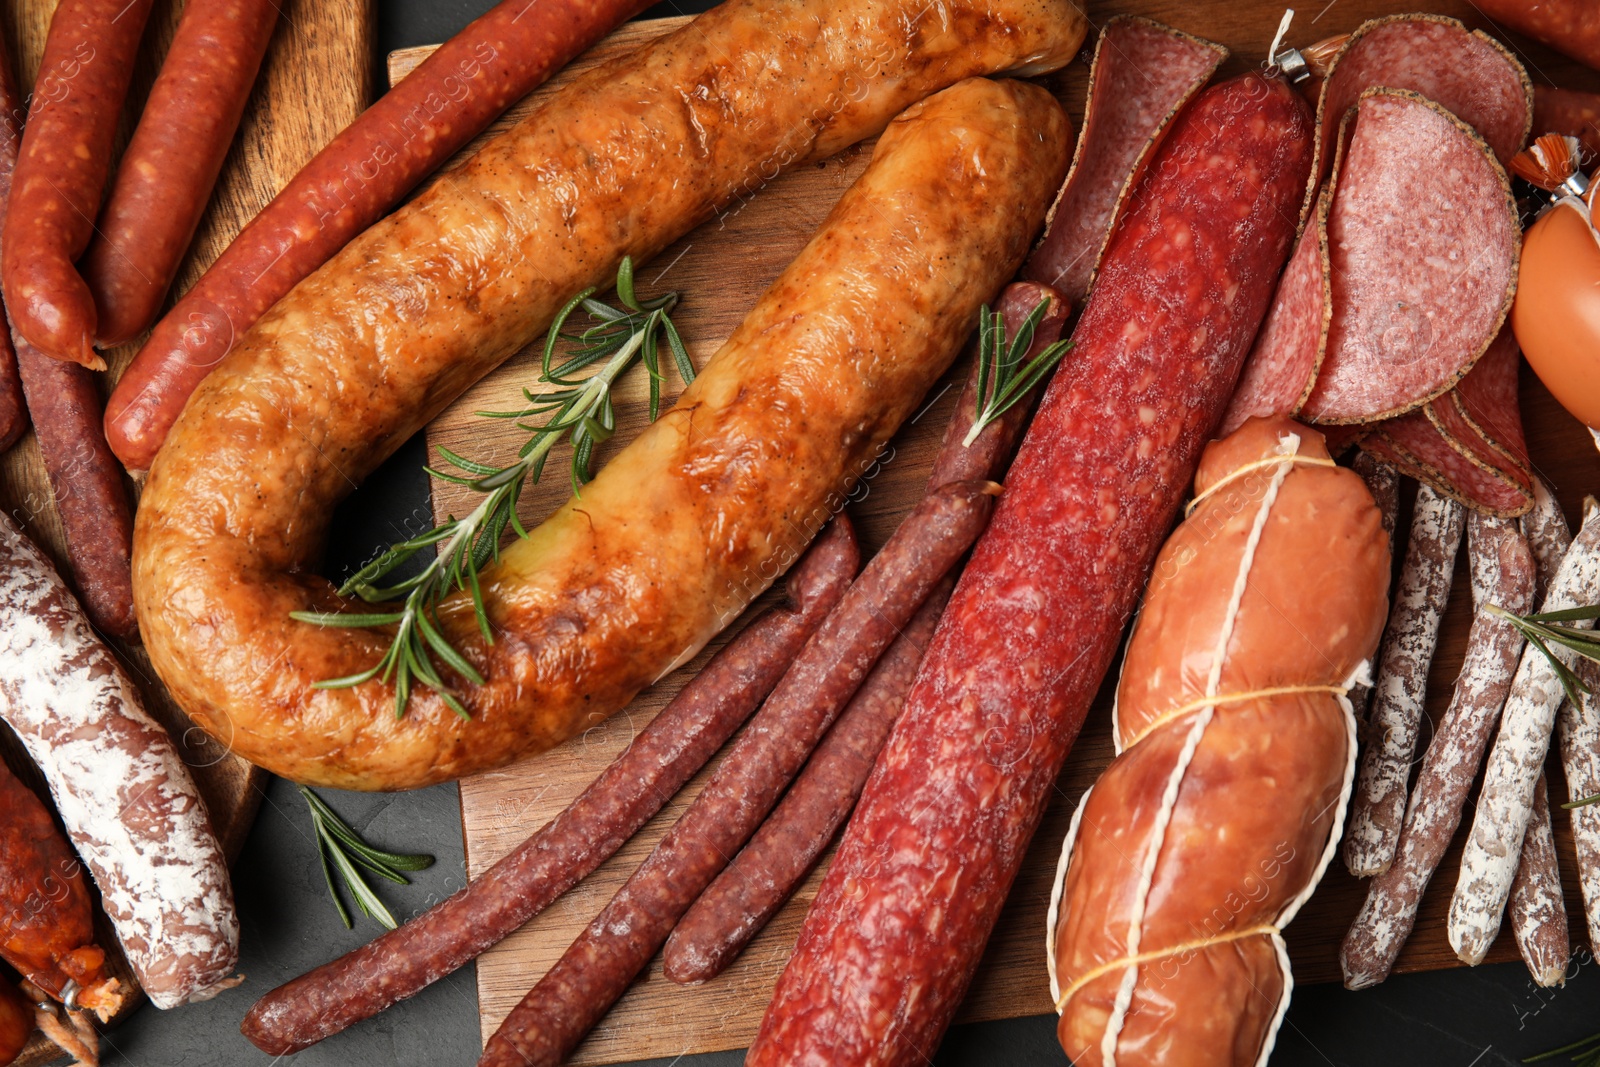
1036,619
1537,910
364,172
573,995
85,478
799,401
167,172
764,874
665,755
61,173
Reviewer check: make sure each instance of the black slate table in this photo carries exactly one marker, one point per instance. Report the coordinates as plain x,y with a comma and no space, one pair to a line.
1487,1017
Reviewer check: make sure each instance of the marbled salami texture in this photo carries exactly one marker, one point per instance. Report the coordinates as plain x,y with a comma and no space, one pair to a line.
941,829
1504,573
1515,763
125,796
1379,806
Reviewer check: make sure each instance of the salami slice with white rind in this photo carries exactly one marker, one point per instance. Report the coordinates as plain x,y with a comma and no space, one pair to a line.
1142,75
127,800
1515,763
1423,242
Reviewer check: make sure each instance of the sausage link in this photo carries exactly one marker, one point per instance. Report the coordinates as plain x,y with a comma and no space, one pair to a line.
1379,805
46,922
942,826
166,175
1503,573
746,895
85,478
124,795
1383,482
61,173
346,187
1505,804
665,755
1538,911
1579,734
16,1022
574,994
13,406
1569,26
988,455
766,871
1548,533
1571,113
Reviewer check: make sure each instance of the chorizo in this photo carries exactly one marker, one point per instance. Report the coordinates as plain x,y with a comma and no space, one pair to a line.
897,929
715,498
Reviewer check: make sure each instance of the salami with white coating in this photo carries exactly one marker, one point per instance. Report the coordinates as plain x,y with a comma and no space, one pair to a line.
126,798
1378,809
1538,912
1503,573
891,942
1578,731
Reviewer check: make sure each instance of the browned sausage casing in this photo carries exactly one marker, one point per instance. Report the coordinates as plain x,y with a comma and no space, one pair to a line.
713,500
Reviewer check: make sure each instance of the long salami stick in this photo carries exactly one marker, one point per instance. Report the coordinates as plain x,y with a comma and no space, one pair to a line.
665,755
1538,912
1378,810
1383,481
1515,763
1579,735
1504,573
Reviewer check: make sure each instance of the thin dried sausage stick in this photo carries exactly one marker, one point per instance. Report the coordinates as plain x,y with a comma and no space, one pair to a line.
574,994
764,874
665,755
125,796
1515,763
1548,533
46,921
362,173
1379,807
61,173
166,175
1503,573
1579,735
942,826
739,903
85,478
1538,912
1383,482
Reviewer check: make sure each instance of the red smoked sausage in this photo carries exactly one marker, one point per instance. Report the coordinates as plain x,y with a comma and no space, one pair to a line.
61,173
16,1022
1570,26
164,180
665,755
893,937
349,185
13,408
85,478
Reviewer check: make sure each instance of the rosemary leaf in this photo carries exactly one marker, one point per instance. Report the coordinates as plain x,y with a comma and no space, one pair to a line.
1587,1051
1542,630
340,848
579,408
1582,802
1005,375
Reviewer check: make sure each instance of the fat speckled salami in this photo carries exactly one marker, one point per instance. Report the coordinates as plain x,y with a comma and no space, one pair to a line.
1142,75
1570,26
1568,112
1538,913
1423,240
891,942
1503,573
1409,641
1515,763
125,796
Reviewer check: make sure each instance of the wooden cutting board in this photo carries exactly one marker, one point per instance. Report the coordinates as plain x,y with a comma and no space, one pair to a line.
721,268
316,79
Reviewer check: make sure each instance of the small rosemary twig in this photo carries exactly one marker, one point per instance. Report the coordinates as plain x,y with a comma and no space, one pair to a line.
1003,378
1585,1053
1547,628
341,848
581,407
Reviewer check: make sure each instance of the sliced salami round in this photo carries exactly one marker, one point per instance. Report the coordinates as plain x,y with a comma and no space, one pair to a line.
1423,243
1415,445
1481,415
1142,75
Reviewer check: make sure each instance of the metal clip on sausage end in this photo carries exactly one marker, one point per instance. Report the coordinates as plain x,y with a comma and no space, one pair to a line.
69,994
1287,63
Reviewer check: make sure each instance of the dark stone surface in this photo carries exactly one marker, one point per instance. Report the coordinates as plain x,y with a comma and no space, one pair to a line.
1489,1017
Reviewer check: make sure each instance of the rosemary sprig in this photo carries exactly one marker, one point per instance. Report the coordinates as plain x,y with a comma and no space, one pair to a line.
1003,377
581,408
341,848
1547,628
1585,1053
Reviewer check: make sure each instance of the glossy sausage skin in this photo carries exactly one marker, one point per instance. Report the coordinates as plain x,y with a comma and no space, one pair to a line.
712,502
13,406
64,399
349,185
665,755
898,927
46,925
1570,26
61,174
164,180
16,1022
